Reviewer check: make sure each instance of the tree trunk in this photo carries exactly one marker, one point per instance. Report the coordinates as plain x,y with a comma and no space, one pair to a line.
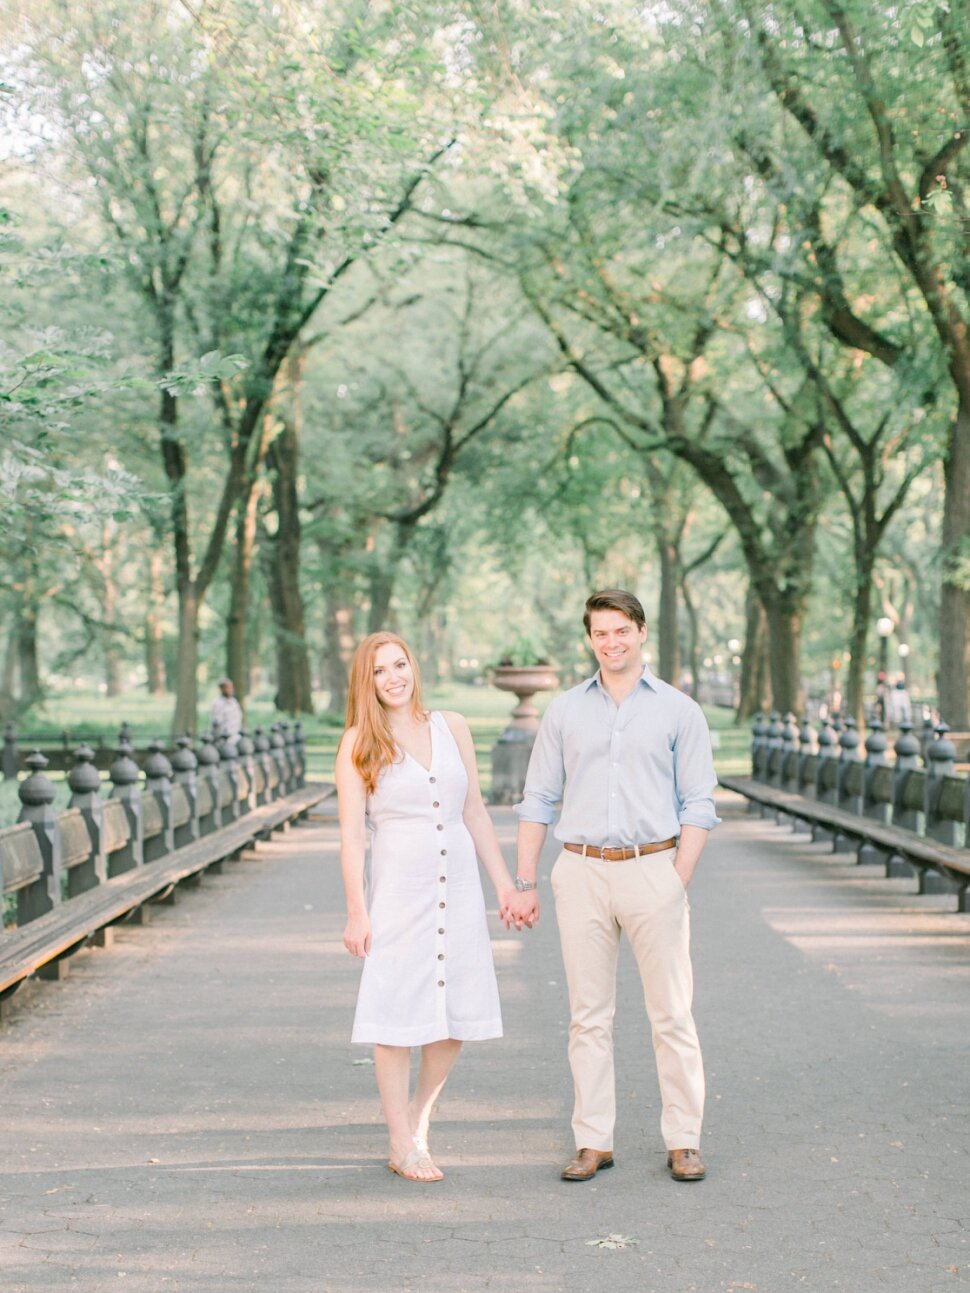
856,674
8,671
338,650
185,715
778,551
438,564
260,671
185,718
383,574
753,695
954,599
784,653
8,674
693,643
27,662
109,615
191,585
154,655
240,595
381,592
668,639
430,650
294,687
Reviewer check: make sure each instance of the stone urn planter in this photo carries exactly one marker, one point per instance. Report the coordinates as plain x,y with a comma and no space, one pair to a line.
524,681
510,754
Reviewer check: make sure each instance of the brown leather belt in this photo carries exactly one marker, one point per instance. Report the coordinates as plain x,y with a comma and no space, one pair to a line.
621,855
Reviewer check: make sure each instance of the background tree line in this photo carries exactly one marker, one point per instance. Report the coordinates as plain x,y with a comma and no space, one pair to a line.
324,318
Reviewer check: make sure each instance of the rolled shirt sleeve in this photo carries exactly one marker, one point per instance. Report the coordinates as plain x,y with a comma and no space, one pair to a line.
694,776
546,776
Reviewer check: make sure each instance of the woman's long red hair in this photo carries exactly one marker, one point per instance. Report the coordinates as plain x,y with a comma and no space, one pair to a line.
374,747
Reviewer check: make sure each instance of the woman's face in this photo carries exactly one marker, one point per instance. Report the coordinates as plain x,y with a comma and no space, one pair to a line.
393,676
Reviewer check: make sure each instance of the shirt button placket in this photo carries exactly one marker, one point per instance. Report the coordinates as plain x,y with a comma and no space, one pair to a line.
442,886
611,806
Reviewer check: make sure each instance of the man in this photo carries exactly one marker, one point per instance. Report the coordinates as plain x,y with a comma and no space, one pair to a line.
226,716
630,758
898,706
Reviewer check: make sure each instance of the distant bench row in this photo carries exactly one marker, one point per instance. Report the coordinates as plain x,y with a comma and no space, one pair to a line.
60,747
913,814
69,876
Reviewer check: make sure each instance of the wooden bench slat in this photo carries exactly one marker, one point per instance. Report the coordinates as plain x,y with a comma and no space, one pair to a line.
895,839
21,862
115,824
75,838
181,810
25,949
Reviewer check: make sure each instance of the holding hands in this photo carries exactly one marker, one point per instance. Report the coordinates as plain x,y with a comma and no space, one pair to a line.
519,909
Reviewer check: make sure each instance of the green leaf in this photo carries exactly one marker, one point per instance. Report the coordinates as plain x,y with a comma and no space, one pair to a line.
940,202
195,377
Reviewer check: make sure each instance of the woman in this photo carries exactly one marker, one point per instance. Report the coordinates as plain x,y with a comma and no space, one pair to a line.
428,977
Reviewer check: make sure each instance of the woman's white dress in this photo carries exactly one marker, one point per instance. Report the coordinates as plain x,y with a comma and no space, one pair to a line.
429,974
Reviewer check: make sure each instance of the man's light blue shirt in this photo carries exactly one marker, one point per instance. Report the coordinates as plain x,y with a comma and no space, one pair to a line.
628,774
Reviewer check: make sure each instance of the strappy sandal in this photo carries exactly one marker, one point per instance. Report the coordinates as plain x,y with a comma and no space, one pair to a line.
418,1157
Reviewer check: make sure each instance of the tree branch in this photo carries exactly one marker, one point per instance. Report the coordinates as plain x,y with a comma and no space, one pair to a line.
938,164
954,23
876,107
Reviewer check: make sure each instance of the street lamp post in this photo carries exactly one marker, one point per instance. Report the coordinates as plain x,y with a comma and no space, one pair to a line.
905,705
884,627
734,646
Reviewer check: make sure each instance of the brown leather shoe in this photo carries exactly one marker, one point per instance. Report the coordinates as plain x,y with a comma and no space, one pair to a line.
685,1165
586,1164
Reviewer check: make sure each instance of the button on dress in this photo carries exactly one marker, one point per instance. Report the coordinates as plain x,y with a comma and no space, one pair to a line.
429,974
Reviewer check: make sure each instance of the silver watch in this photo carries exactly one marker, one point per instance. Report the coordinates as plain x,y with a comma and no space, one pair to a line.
525,886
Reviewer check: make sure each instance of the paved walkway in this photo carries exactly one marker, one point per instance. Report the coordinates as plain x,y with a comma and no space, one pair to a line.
185,1113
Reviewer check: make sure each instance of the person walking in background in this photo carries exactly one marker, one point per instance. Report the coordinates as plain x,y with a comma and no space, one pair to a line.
899,708
419,923
881,708
226,716
630,759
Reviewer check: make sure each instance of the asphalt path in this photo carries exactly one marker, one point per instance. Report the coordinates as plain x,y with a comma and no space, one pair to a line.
185,1113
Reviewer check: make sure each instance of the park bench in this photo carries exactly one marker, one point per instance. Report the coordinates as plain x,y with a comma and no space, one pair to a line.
72,876
915,819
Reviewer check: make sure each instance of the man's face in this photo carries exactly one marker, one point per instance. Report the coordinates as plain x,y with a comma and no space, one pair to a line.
616,643
226,689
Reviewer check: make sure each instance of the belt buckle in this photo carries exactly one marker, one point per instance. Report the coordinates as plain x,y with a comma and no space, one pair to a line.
610,848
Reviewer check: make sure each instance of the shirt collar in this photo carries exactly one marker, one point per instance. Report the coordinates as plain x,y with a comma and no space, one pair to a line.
647,678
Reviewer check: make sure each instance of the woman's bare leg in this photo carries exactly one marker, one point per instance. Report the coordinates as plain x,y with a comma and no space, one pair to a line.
392,1065
437,1061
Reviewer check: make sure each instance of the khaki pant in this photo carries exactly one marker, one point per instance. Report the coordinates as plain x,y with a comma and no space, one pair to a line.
596,901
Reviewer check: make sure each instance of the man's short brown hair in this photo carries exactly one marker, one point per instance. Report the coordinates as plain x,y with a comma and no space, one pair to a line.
614,599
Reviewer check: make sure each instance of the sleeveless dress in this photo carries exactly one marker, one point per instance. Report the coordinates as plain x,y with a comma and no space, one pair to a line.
429,974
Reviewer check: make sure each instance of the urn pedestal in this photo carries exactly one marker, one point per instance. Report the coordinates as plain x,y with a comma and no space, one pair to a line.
510,754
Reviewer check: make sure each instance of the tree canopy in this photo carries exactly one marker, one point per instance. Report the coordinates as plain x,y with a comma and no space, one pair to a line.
325,318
